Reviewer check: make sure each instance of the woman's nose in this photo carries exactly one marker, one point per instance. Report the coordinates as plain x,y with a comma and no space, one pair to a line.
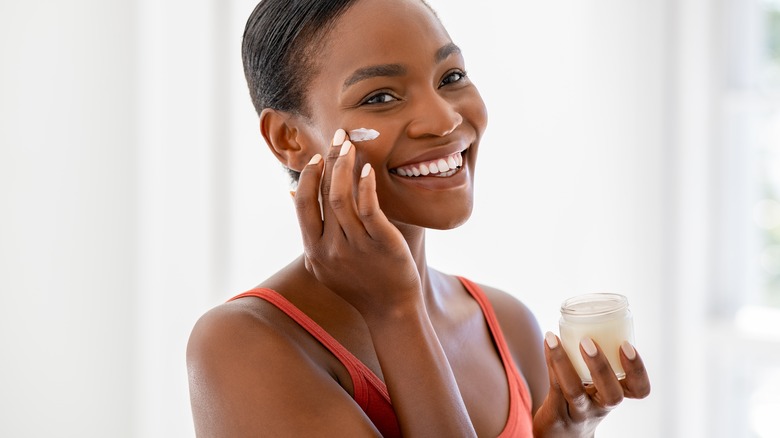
434,116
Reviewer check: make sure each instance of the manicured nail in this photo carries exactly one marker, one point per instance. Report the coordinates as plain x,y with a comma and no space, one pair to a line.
628,350
315,159
366,170
589,347
339,136
345,148
551,339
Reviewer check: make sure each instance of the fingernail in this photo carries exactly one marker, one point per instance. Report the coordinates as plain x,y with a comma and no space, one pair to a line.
339,136
345,148
315,159
366,170
628,350
589,347
551,339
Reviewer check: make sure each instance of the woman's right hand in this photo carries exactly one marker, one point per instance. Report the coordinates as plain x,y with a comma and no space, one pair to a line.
352,248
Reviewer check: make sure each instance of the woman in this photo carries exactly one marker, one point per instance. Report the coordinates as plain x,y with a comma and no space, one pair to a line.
359,336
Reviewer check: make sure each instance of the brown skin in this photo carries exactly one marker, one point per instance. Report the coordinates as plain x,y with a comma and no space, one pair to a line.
364,276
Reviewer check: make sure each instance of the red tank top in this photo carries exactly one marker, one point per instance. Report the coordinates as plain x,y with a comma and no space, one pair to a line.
370,392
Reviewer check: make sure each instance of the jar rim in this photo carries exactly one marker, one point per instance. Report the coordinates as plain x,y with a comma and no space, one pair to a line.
594,304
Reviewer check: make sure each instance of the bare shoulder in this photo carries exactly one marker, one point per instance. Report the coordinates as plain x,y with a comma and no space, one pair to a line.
237,328
524,338
232,348
243,359
517,321
230,331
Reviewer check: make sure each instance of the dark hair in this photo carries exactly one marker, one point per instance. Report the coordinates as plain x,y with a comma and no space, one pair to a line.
280,40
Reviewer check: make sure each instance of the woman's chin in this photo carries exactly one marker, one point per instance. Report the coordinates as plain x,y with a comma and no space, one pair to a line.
451,225
440,220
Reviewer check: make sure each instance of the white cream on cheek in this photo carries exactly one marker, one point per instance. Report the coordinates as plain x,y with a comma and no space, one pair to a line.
363,134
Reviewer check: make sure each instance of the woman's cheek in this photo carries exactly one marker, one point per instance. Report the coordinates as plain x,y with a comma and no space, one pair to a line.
474,109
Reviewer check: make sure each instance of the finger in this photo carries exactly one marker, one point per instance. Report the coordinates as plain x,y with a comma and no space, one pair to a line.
608,390
555,395
331,223
551,342
568,380
342,195
372,216
307,205
637,382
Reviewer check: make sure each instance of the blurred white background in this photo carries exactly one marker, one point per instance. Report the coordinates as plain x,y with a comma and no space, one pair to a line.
634,147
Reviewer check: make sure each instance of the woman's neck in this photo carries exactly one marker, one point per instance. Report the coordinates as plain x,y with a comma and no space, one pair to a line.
415,238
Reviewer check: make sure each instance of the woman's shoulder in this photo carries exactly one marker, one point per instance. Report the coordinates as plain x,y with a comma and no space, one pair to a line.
244,356
513,315
247,325
259,320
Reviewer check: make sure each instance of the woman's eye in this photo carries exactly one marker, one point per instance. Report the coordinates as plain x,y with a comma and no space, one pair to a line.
452,78
379,98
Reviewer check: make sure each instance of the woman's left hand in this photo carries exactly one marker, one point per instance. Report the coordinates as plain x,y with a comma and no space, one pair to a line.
573,409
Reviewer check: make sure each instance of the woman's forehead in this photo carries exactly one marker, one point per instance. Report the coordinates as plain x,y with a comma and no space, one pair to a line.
376,31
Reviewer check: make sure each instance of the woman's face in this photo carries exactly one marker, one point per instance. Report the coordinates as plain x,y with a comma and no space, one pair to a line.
389,65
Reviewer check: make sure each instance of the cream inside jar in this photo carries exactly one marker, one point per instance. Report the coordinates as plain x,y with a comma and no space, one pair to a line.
606,319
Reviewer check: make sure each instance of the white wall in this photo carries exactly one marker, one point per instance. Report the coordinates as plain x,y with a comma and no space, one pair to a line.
67,218
136,192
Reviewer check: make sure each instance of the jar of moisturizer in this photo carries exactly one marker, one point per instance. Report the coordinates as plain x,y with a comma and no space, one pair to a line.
605,318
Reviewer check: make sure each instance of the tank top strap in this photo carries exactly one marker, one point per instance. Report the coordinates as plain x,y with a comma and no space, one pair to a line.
361,375
519,409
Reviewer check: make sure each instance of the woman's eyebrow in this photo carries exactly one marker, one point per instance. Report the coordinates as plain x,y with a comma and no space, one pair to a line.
395,70
373,71
445,51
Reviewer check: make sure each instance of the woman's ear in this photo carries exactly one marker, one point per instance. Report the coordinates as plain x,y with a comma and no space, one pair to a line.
289,136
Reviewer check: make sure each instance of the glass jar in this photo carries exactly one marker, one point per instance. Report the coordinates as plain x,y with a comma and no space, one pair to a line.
606,319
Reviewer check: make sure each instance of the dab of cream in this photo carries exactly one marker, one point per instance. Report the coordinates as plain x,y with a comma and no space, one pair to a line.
363,134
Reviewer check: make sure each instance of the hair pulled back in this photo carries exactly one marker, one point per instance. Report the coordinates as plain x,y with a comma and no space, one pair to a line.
280,42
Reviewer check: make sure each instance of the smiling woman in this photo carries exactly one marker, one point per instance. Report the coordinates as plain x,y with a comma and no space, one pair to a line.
359,336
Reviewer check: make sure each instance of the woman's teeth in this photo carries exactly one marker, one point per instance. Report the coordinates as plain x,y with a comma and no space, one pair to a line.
441,167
